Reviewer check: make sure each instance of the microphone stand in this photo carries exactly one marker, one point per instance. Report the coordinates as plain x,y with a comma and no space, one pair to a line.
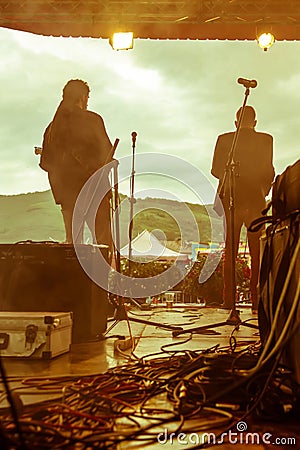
132,201
229,177
120,311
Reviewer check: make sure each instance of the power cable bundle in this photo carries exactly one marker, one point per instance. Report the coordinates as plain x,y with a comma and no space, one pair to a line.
180,390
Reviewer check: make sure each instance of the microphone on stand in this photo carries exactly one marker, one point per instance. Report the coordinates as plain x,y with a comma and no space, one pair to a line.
133,137
247,83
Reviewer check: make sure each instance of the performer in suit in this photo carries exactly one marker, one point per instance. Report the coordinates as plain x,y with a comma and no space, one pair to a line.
75,146
254,172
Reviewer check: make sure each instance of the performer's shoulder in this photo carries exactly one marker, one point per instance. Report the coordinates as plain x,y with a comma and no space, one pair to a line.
48,128
93,116
264,135
228,133
226,136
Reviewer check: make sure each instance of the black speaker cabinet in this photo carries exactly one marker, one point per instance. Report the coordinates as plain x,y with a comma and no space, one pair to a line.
48,277
286,191
279,247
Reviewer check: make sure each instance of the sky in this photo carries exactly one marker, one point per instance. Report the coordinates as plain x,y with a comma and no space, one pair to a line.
178,96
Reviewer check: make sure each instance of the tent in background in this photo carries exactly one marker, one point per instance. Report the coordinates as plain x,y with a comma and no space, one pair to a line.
146,246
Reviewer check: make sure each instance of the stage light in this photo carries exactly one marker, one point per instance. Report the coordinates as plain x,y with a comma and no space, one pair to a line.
265,40
122,40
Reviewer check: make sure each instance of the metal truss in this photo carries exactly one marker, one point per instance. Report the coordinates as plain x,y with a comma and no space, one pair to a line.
176,14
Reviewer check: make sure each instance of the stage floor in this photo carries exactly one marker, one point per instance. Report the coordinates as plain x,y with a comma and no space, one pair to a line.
31,378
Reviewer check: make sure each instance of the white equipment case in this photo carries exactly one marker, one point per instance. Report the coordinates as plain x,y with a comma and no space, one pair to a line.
35,334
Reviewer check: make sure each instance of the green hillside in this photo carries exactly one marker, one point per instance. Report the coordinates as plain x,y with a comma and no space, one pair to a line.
35,216
171,217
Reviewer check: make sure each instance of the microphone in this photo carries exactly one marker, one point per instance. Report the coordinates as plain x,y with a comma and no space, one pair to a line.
247,83
133,136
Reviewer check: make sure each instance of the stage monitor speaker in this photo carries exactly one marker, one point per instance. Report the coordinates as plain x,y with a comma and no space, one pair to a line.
48,277
286,192
277,249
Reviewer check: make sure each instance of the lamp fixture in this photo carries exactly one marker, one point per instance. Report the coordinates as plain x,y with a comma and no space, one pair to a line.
121,40
265,40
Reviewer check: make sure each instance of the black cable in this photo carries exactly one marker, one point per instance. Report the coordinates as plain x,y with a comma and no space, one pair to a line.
12,405
102,410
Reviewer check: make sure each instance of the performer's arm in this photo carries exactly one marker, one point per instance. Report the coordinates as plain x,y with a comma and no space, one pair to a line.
218,166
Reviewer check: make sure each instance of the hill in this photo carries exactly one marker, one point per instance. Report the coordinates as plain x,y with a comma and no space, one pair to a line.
35,216
171,217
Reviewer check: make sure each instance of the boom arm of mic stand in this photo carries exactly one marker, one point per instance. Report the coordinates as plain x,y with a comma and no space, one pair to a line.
230,168
116,213
132,201
230,159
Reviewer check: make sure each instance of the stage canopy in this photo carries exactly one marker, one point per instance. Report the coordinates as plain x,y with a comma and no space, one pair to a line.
158,19
146,246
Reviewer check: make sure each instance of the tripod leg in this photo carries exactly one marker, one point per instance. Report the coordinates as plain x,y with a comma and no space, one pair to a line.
111,327
155,324
121,314
198,329
233,319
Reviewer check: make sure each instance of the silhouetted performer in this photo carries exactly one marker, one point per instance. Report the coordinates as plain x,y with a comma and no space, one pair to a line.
254,175
76,145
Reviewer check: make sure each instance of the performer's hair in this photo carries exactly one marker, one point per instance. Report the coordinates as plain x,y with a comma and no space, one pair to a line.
74,90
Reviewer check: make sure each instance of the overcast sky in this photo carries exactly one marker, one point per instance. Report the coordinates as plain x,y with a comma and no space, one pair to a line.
177,95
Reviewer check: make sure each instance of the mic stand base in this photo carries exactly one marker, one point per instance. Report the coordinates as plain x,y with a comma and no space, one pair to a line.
234,318
121,314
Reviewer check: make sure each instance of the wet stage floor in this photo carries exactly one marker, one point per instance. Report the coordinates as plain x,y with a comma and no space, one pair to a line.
158,355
